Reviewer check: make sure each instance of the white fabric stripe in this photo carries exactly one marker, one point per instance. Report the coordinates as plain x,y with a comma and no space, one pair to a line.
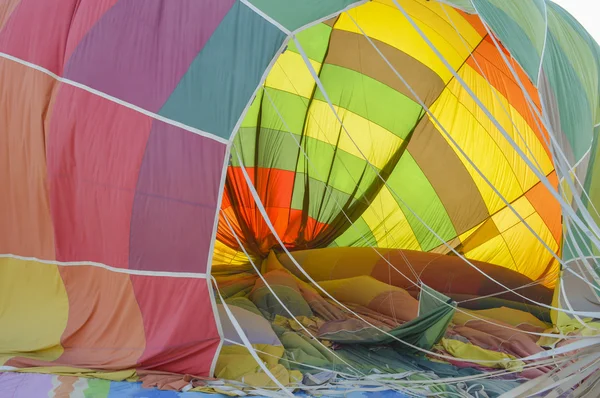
404,257
325,18
544,45
116,100
194,275
211,249
240,331
266,17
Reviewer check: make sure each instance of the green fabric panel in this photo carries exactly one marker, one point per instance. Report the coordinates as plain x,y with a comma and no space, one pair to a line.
221,80
520,26
430,299
573,106
353,236
370,99
251,118
291,107
276,149
293,14
269,306
245,142
343,170
314,42
324,204
410,184
424,331
97,388
581,51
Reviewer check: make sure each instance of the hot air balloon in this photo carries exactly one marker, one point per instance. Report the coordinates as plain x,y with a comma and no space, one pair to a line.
269,197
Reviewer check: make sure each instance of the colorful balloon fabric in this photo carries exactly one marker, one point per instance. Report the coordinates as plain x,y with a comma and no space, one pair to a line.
238,195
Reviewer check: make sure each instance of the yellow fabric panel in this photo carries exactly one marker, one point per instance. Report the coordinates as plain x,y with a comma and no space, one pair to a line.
271,263
291,74
493,251
498,105
32,296
228,258
358,290
323,125
236,363
389,224
384,22
479,146
333,263
503,314
470,232
533,261
467,351
506,217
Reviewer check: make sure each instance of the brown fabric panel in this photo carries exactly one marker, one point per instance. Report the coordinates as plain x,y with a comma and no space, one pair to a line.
353,51
331,21
448,176
443,249
486,232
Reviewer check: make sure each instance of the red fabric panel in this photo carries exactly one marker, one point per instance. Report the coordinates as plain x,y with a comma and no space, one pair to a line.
95,148
293,226
37,32
88,13
181,334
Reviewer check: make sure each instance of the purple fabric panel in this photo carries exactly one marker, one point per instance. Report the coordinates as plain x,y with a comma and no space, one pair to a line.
176,201
24,385
139,50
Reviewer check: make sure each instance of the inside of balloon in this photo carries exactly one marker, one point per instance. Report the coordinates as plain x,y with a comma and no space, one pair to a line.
375,221
369,318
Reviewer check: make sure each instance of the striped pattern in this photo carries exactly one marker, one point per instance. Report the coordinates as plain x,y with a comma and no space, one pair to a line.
385,132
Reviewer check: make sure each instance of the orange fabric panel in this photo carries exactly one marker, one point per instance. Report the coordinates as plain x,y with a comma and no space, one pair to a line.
474,20
24,203
501,78
547,206
6,9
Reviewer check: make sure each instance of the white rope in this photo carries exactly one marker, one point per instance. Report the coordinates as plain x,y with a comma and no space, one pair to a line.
248,345
317,80
386,260
263,279
487,112
267,220
593,233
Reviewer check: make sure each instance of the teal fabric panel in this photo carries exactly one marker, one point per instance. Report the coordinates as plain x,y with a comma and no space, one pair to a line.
520,27
293,14
213,93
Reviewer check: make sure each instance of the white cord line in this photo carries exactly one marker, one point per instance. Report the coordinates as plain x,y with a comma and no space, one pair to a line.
549,144
594,232
257,270
248,345
320,85
451,139
350,174
281,302
427,382
383,257
262,210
